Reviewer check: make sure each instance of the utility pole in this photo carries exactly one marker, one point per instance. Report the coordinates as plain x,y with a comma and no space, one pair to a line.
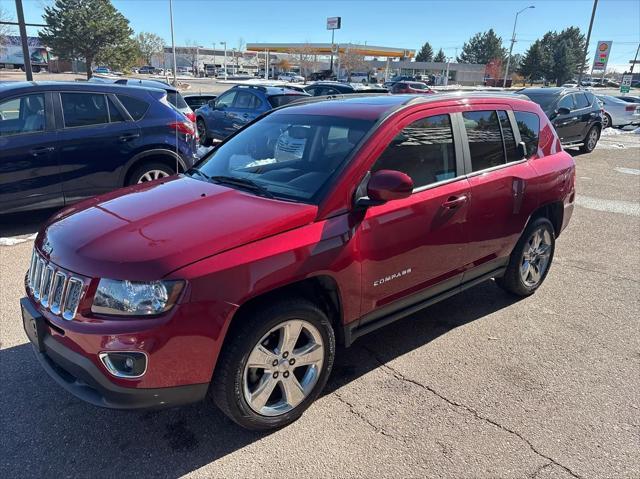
225,59
173,43
23,37
586,45
513,40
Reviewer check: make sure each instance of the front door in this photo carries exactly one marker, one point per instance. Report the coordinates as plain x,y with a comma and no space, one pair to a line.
219,123
95,141
413,248
29,171
567,125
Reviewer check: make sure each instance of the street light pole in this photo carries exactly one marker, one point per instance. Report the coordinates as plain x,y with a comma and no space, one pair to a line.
513,40
173,43
225,59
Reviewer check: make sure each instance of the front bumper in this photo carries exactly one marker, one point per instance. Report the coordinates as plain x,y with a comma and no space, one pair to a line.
82,378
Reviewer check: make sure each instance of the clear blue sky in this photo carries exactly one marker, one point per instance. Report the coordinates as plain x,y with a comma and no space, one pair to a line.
393,23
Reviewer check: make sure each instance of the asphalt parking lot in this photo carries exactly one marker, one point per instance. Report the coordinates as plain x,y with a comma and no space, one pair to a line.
480,385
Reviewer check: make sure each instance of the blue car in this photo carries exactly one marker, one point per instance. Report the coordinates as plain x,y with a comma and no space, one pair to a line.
61,142
238,106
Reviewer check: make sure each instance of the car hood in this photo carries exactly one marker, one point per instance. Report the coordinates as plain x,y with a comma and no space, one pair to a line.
146,231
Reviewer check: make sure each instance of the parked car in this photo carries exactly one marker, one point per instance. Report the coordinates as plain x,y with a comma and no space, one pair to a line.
147,70
238,106
356,77
618,113
174,96
291,77
65,141
630,99
575,114
102,70
322,75
196,100
330,88
311,227
411,87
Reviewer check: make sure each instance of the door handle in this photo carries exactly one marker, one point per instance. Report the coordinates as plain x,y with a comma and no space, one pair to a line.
454,202
42,150
246,115
129,136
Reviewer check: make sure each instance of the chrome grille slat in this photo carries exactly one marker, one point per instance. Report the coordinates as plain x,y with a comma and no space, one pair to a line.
54,289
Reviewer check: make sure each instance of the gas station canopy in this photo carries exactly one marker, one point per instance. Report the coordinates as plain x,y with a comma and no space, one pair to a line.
325,49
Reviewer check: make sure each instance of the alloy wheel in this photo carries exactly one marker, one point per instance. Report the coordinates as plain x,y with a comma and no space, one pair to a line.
152,175
606,121
283,367
535,259
202,131
593,139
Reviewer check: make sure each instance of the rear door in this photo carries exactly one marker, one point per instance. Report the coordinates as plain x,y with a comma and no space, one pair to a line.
585,112
413,248
501,199
96,139
29,170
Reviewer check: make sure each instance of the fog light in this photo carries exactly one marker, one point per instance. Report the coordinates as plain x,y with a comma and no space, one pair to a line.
125,364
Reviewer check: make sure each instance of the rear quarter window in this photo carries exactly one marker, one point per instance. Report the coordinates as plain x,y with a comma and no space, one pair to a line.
176,100
135,106
280,100
529,126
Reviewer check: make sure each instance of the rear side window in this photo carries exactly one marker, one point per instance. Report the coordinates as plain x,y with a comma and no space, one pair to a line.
136,107
279,100
424,150
529,126
581,101
84,109
176,100
485,139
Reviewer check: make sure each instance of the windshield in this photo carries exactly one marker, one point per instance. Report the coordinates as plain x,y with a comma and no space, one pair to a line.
291,156
543,99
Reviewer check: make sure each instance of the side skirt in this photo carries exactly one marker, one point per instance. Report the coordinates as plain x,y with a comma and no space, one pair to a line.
355,329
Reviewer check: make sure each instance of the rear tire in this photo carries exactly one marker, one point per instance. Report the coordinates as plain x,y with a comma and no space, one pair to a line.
530,259
606,121
202,133
149,172
591,140
273,396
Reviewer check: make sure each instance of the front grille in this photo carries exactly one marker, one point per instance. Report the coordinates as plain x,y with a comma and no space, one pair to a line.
53,288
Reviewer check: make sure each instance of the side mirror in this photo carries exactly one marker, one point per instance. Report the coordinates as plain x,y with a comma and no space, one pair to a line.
563,111
522,149
386,185
212,104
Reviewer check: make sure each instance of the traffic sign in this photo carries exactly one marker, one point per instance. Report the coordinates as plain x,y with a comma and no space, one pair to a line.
625,86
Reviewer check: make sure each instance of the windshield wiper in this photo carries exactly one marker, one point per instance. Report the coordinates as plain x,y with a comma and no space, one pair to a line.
245,183
195,170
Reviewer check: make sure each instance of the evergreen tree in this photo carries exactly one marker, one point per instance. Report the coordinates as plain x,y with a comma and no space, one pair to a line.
564,63
530,66
440,57
482,48
85,29
425,54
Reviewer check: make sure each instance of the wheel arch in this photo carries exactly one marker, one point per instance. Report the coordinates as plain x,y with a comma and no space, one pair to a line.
553,211
161,155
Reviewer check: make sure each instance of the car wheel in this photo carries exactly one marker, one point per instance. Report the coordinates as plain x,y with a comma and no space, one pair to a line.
202,132
591,140
149,172
530,259
606,121
274,364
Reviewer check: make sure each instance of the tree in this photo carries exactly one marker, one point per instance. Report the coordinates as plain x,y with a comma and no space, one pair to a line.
149,44
5,30
121,57
425,54
440,57
482,48
514,64
284,65
351,60
563,62
84,29
530,66
307,58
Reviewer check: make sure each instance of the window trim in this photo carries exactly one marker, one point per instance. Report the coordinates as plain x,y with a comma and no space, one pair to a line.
49,119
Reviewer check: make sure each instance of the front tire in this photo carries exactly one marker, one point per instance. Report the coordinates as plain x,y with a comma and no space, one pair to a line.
149,172
530,259
591,140
274,364
202,132
606,121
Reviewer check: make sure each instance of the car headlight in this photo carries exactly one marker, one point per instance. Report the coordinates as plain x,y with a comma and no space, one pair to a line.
135,298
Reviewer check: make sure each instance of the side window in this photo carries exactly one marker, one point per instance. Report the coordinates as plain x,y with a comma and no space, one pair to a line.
136,107
581,101
566,102
25,114
246,100
424,150
508,137
529,126
226,100
114,113
83,109
485,139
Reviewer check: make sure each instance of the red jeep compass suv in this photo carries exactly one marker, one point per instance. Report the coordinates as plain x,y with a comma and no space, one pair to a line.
314,224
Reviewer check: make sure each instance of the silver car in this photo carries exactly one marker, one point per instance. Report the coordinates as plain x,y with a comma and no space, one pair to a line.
618,113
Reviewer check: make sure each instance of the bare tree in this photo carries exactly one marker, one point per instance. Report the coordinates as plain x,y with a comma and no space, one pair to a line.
352,61
192,54
5,30
306,57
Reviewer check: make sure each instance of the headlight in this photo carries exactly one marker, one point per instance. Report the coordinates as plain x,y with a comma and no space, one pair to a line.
135,298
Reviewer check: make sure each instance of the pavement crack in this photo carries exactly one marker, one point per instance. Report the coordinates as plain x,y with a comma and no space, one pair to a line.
540,469
362,417
401,377
569,264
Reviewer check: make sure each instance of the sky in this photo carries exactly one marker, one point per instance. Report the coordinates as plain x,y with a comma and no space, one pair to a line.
390,23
